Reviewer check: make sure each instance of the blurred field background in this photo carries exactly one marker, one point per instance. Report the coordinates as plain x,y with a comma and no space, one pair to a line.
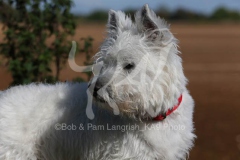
210,46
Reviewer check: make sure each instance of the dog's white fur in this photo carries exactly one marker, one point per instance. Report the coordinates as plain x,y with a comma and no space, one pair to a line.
29,114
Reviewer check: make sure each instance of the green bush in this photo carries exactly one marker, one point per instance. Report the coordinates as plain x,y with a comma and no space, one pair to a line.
27,26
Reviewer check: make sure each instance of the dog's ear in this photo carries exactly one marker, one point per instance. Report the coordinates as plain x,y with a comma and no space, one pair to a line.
152,26
112,23
148,25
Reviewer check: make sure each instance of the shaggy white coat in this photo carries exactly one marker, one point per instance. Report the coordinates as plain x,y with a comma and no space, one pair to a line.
30,115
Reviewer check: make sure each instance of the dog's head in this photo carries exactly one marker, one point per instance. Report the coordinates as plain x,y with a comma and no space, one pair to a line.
138,68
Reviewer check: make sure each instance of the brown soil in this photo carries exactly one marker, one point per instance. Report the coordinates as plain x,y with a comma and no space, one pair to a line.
211,60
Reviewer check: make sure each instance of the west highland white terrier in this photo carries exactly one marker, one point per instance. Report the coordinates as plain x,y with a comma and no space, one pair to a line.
141,111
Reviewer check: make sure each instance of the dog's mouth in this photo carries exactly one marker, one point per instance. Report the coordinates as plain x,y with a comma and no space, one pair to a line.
99,98
128,113
95,94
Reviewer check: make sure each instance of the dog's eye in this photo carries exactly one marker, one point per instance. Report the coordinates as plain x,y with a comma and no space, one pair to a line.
129,66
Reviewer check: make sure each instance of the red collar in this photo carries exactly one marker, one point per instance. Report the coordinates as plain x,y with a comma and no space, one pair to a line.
161,117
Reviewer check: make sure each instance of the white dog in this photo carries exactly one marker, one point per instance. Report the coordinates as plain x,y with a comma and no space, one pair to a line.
142,109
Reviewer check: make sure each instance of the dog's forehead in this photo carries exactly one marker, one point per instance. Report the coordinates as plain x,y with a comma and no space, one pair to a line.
126,38
126,46
122,57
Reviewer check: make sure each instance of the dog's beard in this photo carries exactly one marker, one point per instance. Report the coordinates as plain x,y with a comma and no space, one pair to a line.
129,105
